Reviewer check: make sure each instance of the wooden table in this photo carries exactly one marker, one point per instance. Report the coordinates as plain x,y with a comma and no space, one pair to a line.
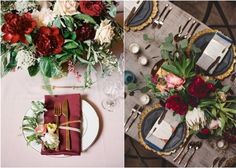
206,154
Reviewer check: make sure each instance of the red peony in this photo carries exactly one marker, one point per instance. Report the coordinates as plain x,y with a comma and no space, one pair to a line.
49,41
199,88
85,32
92,8
154,79
177,104
16,26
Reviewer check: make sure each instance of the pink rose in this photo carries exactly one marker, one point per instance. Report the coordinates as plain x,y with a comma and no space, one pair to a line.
214,124
174,81
40,129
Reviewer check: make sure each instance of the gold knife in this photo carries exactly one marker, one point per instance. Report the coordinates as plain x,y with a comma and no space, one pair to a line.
65,112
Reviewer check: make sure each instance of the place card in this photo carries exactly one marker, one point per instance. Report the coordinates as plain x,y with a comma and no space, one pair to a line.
160,133
214,53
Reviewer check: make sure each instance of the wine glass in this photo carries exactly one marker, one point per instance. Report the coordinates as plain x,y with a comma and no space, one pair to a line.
112,91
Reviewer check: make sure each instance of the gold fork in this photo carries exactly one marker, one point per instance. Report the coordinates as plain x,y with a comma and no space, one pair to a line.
57,114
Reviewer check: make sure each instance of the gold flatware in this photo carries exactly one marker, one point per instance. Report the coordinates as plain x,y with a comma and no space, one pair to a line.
162,21
131,114
183,147
190,146
215,161
138,112
189,30
65,112
196,147
221,161
57,114
156,21
195,28
178,36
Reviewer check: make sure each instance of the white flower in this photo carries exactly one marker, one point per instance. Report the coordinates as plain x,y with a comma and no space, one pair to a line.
24,5
50,140
66,7
25,59
105,32
195,119
43,17
51,128
214,124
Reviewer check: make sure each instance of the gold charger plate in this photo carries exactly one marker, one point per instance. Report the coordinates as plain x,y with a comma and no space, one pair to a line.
199,34
147,21
144,114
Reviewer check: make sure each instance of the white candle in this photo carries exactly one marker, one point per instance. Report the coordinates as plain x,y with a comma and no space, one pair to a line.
143,60
134,48
144,99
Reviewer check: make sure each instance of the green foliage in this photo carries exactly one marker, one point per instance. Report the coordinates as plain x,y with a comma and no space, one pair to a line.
85,18
147,38
49,67
31,122
34,69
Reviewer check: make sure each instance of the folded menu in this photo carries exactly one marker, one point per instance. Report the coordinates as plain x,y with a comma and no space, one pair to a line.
74,102
214,52
160,133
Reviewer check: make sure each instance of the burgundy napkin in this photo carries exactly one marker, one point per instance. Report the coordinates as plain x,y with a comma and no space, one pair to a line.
74,114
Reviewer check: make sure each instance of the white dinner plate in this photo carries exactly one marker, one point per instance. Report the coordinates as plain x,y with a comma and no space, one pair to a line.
90,127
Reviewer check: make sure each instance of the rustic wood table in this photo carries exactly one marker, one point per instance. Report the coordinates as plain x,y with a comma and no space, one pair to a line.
207,153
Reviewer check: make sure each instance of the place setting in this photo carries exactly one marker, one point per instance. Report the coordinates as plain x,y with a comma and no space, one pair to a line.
61,125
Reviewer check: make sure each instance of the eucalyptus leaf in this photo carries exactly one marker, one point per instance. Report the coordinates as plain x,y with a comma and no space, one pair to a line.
34,69
132,86
85,18
112,11
183,43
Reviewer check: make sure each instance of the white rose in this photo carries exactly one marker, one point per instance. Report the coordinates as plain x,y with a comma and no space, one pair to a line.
195,119
105,32
43,17
50,140
66,7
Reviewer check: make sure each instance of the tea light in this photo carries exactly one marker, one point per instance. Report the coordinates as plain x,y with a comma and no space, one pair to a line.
143,60
134,48
221,144
144,99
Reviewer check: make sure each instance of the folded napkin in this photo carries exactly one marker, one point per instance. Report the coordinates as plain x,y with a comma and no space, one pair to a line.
160,134
214,53
74,114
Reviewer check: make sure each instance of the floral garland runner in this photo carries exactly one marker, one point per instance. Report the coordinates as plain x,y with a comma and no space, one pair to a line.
207,107
51,37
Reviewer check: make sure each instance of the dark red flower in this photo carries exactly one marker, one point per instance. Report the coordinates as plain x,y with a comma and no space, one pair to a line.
199,88
154,79
193,101
205,131
92,8
48,41
177,104
16,26
85,32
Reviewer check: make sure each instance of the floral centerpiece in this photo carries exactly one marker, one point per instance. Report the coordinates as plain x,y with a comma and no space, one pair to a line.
207,107
51,37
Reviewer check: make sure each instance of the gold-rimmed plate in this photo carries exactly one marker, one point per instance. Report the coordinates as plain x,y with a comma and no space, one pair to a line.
143,17
201,40
147,120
